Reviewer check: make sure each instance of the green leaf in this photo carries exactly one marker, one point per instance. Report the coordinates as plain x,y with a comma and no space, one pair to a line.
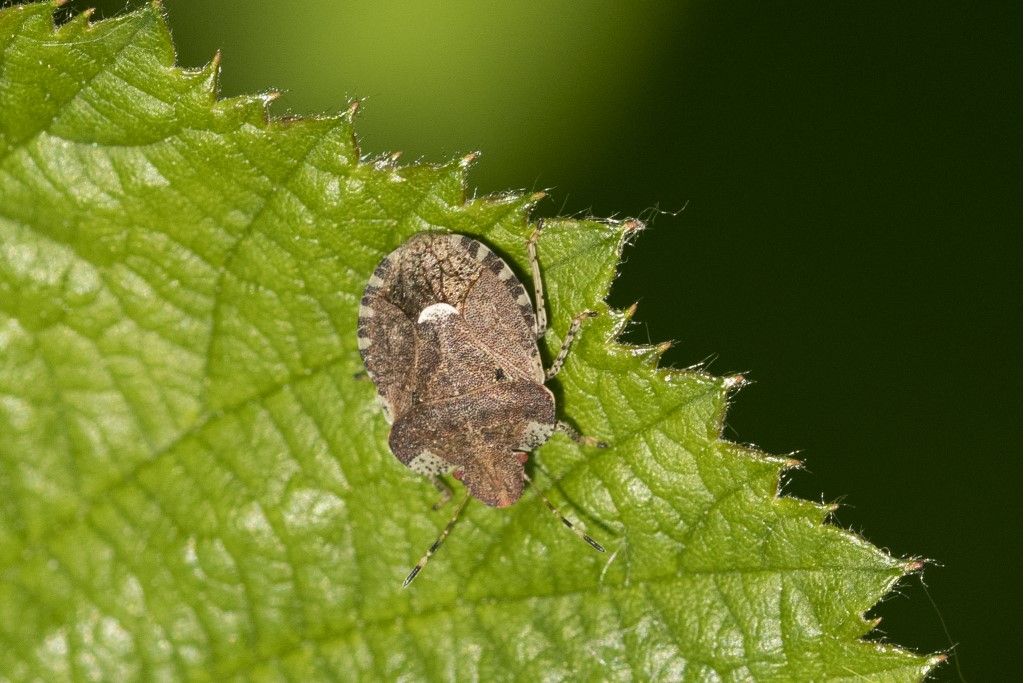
194,484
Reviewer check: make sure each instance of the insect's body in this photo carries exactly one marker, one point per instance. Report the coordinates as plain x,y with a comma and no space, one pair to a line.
449,336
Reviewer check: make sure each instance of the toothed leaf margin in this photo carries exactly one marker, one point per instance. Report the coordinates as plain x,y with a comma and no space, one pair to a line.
194,484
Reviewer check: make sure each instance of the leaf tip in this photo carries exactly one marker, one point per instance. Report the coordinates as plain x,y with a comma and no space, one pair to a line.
633,225
789,464
628,229
352,110
735,382
210,75
914,565
388,161
74,22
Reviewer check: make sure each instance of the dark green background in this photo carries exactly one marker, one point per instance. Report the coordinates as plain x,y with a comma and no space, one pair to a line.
851,236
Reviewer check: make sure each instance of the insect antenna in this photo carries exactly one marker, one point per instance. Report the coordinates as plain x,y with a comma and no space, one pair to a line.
436,544
572,527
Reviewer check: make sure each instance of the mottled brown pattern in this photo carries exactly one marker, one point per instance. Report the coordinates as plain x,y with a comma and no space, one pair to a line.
461,380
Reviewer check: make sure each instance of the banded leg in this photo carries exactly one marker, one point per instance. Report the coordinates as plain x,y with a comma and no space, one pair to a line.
569,525
436,544
444,489
574,329
573,434
541,324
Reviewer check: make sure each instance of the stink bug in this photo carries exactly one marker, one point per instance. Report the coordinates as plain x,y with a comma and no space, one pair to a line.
449,336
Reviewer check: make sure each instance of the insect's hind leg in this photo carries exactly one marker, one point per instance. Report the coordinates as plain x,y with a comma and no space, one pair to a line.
568,525
436,544
540,325
444,489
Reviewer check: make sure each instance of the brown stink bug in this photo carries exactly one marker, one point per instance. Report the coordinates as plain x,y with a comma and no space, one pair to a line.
449,336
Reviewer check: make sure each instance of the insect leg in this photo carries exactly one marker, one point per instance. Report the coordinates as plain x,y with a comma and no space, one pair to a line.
436,544
574,329
582,440
551,506
444,489
541,324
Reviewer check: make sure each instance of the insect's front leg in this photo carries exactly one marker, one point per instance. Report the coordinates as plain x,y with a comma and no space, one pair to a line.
574,329
541,323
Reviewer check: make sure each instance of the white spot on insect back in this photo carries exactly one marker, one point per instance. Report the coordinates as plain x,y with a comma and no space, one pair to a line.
505,274
365,312
435,312
375,280
363,343
522,299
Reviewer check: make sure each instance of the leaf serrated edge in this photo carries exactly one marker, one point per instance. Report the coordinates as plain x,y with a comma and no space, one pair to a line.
258,108
728,387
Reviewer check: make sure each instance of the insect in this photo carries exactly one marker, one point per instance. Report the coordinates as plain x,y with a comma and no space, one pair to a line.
449,336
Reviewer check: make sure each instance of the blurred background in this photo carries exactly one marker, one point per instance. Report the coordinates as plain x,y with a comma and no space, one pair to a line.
833,192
